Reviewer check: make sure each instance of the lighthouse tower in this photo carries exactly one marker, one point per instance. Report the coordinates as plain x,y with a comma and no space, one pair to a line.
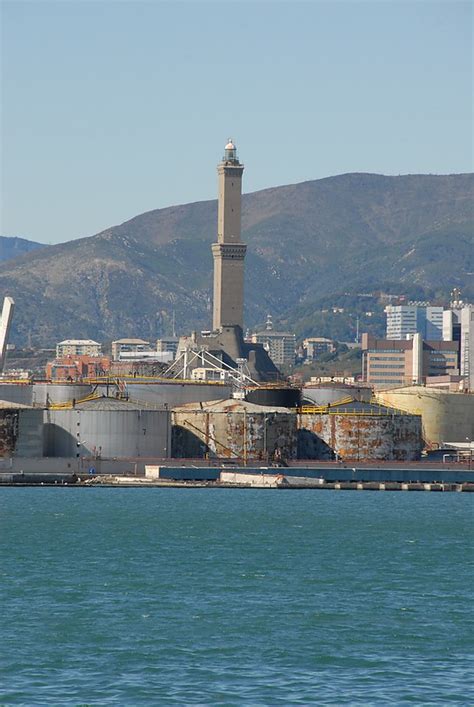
229,252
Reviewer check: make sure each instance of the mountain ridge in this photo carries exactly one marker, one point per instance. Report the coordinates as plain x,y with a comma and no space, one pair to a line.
13,247
353,232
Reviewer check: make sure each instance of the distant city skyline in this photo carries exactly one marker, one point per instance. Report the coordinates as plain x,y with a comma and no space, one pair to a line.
111,109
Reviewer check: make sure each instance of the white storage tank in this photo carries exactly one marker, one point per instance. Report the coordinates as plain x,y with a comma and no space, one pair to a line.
108,428
329,393
45,394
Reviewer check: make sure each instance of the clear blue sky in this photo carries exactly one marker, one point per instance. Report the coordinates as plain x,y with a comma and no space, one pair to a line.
111,108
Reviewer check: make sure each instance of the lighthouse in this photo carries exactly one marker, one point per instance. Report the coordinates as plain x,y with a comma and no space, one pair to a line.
229,252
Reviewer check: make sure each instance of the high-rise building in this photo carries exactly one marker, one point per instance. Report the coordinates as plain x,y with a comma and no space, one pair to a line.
229,252
403,321
458,325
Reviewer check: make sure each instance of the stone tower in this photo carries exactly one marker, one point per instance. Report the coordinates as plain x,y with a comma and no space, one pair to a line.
229,252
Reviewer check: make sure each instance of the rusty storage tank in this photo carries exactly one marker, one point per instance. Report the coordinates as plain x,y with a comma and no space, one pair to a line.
234,429
21,430
107,427
329,393
359,431
274,396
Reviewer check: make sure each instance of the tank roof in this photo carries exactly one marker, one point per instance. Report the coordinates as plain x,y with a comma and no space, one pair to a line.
230,405
88,342
117,404
361,407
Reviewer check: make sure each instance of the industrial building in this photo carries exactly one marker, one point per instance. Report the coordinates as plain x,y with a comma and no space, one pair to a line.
393,362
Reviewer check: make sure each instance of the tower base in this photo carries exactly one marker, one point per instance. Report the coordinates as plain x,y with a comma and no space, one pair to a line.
228,344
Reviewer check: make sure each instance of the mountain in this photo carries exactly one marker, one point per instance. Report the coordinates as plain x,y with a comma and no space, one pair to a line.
11,247
307,243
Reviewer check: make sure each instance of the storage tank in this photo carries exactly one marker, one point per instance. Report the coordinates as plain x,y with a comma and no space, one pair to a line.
328,393
8,430
108,428
361,432
447,416
173,393
30,437
234,429
21,430
274,396
45,394
21,393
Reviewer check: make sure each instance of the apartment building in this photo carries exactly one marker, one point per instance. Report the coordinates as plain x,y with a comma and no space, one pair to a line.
78,347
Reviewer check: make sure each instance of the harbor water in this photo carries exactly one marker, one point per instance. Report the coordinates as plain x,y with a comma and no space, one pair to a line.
116,596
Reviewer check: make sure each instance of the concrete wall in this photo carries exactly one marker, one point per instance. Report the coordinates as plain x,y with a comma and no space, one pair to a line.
182,473
360,437
446,416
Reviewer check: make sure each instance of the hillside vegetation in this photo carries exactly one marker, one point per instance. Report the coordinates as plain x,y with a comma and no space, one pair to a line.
308,244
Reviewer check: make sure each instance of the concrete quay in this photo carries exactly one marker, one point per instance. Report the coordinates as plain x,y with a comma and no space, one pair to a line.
393,477
245,480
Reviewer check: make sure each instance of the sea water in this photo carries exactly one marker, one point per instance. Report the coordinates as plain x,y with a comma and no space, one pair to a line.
114,596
